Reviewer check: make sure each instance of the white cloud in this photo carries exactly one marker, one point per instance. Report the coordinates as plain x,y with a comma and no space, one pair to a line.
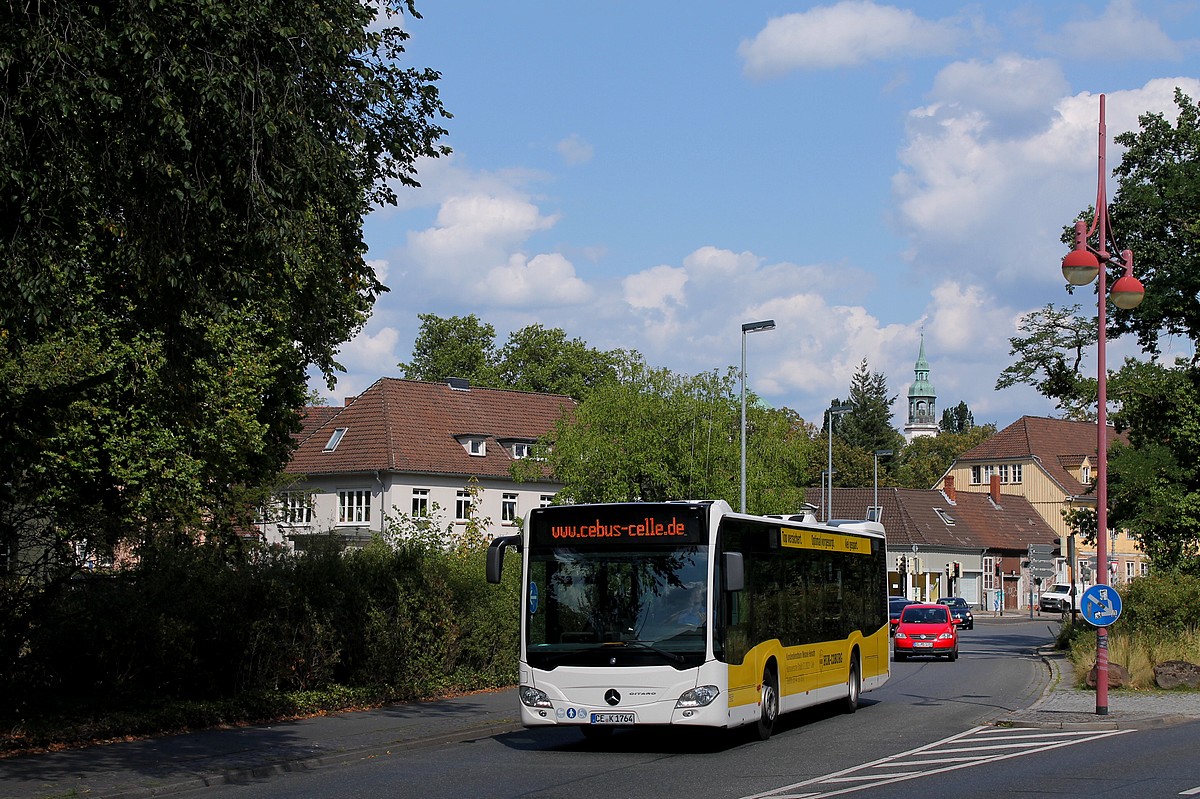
846,34
658,288
547,279
1015,95
574,150
1120,33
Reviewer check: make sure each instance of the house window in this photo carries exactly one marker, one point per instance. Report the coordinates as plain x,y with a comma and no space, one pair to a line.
335,439
354,507
545,500
520,449
1144,569
1002,470
420,502
296,507
945,517
1017,473
1130,570
462,506
1085,474
475,447
508,508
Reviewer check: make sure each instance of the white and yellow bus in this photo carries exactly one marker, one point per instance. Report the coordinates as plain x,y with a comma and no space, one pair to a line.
687,613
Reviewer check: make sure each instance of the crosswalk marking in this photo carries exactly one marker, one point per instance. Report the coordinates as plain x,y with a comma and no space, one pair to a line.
974,747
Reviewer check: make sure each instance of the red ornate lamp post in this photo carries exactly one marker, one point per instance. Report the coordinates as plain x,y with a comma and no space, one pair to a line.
1081,266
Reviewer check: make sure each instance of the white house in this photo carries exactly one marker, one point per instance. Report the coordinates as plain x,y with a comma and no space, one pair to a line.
404,446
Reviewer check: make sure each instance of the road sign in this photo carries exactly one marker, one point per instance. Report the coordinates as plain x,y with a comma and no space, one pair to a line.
1100,605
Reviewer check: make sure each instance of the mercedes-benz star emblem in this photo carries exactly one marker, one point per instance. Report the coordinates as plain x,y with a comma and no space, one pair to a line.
612,696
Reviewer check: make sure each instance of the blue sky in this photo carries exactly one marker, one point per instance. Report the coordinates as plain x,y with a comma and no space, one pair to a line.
650,175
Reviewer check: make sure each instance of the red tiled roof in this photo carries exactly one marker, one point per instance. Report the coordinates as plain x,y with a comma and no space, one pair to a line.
910,516
1055,443
410,426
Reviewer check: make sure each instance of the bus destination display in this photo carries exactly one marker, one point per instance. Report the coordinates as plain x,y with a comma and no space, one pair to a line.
576,528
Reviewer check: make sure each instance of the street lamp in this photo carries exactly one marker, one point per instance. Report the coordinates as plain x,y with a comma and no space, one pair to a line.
1081,266
887,453
834,410
749,327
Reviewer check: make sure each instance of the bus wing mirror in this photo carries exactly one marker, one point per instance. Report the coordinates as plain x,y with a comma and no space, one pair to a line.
735,571
495,555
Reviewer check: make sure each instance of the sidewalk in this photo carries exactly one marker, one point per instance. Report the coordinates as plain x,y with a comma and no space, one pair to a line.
169,764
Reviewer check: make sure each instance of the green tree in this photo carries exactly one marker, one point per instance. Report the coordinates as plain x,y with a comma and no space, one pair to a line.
923,461
652,434
958,419
460,346
1154,213
1154,483
1049,355
537,359
181,214
868,425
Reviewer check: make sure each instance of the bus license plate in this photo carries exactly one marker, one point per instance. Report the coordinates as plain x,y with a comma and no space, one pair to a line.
614,718
923,644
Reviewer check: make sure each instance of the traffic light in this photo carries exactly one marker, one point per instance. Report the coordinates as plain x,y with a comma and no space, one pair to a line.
957,568
915,565
901,564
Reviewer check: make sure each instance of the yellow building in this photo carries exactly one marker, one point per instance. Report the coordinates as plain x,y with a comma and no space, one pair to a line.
1050,462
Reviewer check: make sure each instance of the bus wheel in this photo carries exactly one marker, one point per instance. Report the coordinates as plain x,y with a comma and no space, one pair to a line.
855,685
768,705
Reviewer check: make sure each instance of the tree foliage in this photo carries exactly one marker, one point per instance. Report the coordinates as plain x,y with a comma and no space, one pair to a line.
460,346
958,419
1154,213
868,425
651,434
533,359
1049,355
181,209
925,459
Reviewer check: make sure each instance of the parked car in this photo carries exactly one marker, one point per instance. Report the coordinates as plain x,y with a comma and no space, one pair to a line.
1056,598
925,629
959,609
895,605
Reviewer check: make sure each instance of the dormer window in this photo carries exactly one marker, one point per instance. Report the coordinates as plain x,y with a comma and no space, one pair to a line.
476,446
521,449
335,439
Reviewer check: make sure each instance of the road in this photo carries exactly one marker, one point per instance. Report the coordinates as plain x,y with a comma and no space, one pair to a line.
813,753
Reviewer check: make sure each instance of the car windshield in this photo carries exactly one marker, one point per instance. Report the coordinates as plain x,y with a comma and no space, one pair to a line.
924,616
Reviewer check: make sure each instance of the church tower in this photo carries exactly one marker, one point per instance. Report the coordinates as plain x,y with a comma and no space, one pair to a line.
922,401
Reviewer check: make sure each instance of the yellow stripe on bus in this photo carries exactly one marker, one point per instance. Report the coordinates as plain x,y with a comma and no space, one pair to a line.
826,542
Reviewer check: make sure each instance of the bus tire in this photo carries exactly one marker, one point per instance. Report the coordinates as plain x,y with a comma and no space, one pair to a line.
768,704
854,685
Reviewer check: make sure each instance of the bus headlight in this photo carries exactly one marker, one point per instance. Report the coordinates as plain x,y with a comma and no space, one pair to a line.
699,696
532,697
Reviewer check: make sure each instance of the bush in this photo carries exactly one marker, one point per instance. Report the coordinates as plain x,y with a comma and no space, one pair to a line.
195,629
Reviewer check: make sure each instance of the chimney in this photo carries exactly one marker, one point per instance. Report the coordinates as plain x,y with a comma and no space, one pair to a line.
948,488
348,402
996,488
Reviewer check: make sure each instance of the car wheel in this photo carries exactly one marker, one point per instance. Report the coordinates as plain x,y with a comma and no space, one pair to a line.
855,685
953,656
899,658
768,705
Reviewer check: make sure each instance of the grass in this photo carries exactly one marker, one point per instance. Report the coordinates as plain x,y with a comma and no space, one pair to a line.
1138,653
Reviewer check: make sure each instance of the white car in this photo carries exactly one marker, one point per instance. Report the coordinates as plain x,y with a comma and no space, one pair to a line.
1056,598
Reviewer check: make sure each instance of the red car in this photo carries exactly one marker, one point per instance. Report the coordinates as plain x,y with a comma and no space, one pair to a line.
925,630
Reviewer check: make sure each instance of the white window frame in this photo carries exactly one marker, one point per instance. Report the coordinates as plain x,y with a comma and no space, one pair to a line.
296,508
1018,473
521,450
545,500
508,508
354,506
420,502
462,506
335,438
476,447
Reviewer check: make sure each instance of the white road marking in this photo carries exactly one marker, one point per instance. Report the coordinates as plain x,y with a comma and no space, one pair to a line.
976,746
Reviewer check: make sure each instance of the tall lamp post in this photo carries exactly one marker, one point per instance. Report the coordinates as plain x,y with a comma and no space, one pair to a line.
1080,267
887,453
749,327
834,410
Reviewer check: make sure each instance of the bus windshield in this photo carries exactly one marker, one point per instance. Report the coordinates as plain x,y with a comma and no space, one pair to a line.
617,607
